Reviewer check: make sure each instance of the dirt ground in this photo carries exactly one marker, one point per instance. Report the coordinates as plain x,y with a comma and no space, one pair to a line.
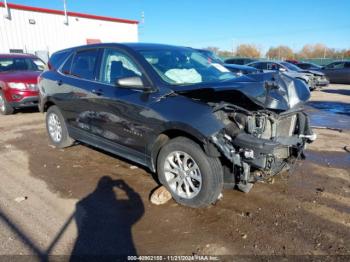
80,200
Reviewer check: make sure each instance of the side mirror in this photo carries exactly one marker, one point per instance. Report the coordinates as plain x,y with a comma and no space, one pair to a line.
134,82
281,69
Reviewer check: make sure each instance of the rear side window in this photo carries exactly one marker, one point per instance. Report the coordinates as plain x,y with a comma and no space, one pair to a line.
273,66
261,66
67,66
84,64
57,59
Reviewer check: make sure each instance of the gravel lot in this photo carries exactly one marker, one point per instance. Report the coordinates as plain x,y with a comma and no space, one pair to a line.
80,200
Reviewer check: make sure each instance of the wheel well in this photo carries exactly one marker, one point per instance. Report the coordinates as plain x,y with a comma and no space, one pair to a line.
163,138
47,105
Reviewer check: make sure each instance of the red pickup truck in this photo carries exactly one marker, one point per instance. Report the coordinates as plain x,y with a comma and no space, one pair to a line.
18,81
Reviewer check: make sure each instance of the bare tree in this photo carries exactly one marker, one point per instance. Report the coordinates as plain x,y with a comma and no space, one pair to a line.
317,51
280,52
248,50
214,49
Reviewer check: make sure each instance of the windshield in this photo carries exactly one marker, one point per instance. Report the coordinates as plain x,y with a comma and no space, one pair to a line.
186,66
211,55
21,64
291,66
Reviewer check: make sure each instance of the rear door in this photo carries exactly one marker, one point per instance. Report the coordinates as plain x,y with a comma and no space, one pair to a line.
76,84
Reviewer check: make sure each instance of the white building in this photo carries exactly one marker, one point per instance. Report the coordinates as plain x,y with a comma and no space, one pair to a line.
43,31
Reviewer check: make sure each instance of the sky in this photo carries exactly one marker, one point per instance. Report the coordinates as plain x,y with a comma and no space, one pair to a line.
226,23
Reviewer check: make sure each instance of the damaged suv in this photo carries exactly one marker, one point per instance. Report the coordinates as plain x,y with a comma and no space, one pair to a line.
186,118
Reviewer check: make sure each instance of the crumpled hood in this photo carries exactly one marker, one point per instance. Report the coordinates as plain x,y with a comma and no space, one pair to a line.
276,91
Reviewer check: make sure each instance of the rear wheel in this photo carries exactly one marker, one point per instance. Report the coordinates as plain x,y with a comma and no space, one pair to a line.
57,129
193,178
5,107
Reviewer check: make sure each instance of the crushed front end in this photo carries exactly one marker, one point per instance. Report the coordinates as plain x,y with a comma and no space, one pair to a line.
264,126
262,143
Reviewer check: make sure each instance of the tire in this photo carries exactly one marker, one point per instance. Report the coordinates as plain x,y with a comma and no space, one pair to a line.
206,173
5,107
57,129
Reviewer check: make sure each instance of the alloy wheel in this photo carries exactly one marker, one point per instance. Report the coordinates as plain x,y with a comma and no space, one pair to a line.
55,128
182,174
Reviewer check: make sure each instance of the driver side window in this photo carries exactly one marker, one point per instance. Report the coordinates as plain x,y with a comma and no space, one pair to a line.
273,66
116,65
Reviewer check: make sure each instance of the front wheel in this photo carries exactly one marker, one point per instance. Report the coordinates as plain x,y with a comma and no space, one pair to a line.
57,129
5,107
193,178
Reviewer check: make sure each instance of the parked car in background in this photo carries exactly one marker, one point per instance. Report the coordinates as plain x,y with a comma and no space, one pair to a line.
18,81
240,61
313,78
318,78
237,70
338,72
240,70
292,61
308,66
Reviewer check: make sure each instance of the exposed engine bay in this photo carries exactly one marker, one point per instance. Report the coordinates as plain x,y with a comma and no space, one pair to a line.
261,144
259,139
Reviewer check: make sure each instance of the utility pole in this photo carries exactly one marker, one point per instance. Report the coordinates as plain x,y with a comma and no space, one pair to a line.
279,53
65,12
233,47
141,25
7,10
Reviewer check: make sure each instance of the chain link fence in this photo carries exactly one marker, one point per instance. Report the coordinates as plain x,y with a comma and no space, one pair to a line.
317,61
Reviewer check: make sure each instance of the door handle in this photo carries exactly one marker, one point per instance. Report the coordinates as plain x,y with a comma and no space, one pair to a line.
97,92
59,82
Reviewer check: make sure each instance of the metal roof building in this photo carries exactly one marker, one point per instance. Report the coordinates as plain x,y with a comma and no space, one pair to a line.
43,31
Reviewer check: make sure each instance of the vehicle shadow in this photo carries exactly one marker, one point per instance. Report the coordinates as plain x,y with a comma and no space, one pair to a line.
104,224
104,221
341,108
345,92
28,110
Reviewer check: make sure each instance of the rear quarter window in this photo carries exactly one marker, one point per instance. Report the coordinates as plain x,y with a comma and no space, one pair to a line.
84,64
57,59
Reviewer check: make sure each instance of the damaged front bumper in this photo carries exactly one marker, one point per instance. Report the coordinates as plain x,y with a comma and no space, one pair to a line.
254,159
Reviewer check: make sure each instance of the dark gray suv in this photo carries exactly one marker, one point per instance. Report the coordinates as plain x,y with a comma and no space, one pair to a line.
169,108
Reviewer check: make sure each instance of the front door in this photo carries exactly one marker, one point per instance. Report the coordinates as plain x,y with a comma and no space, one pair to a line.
118,115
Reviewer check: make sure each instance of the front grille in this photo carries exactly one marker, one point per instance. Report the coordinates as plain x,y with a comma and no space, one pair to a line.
286,126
